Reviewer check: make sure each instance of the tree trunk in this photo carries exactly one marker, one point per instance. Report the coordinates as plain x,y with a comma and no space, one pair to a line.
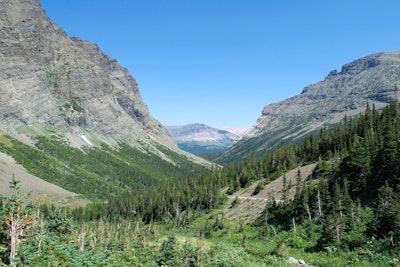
319,206
309,213
14,239
15,227
294,225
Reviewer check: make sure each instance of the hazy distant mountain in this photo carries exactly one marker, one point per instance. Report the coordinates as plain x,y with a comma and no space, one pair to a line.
237,131
200,138
370,79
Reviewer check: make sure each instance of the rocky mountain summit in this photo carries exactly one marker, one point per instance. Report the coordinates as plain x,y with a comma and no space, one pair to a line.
200,138
50,83
369,79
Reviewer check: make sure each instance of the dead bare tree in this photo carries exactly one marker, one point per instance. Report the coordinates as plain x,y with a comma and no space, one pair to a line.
319,215
18,218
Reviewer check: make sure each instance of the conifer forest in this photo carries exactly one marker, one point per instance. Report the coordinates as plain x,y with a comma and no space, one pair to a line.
346,213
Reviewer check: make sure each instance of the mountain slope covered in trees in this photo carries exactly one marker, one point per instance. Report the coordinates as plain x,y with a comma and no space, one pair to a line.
344,213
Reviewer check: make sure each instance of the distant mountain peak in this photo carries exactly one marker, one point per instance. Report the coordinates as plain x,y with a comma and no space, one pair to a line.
199,138
237,131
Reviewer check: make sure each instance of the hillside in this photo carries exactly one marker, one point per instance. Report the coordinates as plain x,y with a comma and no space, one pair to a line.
336,204
40,190
55,84
252,204
63,99
369,79
200,138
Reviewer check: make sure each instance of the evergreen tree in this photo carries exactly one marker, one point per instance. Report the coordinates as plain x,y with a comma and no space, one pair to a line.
167,255
388,157
387,215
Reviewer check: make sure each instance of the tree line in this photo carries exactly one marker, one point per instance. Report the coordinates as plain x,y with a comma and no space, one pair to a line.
357,174
350,202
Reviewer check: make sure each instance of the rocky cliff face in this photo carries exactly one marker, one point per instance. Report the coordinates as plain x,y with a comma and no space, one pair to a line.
49,81
370,79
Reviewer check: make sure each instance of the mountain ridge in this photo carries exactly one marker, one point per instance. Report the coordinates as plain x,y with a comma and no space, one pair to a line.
369,79
62,73
70,114
53,84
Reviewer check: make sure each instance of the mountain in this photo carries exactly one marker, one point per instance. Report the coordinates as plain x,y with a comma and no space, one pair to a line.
200,138
371,79
67,90
237,131
49,79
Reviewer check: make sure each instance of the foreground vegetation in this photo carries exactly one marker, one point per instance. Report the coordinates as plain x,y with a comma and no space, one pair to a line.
346,213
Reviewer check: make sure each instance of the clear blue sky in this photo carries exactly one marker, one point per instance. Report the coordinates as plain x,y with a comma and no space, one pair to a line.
219,62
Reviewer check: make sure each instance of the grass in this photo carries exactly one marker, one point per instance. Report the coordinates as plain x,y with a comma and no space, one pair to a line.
239,244
5,141
96,172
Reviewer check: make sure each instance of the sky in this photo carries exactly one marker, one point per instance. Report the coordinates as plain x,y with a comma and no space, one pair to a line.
220,62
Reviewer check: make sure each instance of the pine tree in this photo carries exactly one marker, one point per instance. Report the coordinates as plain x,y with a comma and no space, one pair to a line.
387,215
285,189
389,154
168,255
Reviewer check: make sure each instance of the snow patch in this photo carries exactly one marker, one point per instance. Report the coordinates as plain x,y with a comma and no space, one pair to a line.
84,138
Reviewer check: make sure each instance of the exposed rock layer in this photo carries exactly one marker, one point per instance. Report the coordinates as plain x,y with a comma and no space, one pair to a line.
48,79
370,79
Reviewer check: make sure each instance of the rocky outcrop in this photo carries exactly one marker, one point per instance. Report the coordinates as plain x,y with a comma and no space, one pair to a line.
370,79
49,80
298,262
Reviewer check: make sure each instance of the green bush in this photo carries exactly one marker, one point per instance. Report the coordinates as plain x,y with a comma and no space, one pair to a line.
167,255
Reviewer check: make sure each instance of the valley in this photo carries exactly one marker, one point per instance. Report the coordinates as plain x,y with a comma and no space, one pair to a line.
88,177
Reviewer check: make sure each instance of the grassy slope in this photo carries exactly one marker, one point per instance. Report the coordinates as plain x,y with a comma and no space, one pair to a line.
96,173
38,188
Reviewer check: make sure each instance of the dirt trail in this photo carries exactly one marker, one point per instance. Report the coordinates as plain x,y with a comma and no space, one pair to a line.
251,206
